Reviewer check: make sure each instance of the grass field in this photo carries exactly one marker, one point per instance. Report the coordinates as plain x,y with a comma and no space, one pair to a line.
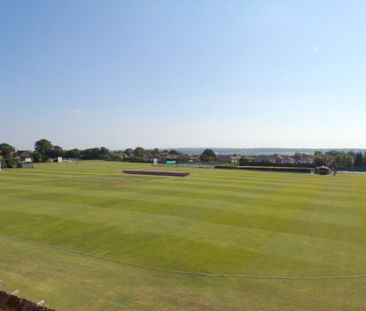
214,221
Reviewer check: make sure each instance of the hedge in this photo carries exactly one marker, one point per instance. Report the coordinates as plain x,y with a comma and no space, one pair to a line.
268,168
9,163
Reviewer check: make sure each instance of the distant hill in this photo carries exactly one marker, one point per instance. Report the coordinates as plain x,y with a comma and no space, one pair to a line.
263,151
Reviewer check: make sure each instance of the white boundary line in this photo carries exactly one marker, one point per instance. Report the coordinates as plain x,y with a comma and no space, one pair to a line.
180,272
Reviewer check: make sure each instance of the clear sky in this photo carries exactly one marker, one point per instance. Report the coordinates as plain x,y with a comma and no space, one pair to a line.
187,73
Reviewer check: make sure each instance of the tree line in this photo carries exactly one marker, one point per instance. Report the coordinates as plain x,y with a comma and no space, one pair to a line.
44,150
340,159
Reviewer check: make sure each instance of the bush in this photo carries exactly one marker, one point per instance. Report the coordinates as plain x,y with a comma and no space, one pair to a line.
11,162
269,168
37,157
245,161
208,155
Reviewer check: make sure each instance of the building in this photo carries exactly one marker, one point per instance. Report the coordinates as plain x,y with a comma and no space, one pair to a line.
225,159
21,155
262,159
298,159
287,160
305,159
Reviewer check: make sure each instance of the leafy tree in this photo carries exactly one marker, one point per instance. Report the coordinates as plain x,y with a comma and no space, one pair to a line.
129,152
321,159
6,150
139,153
73,153
57,151
116,156
208,155
90,154
339,159
344,160
37,157
104,153
245,161
11,162
44,147
359,161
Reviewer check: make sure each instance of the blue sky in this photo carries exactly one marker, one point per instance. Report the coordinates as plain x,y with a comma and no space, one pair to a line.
183,73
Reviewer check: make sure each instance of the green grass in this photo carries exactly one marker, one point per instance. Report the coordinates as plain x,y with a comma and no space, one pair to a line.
214,221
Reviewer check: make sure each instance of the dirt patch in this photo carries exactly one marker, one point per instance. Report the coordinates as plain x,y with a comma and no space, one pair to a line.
157,173
14,303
